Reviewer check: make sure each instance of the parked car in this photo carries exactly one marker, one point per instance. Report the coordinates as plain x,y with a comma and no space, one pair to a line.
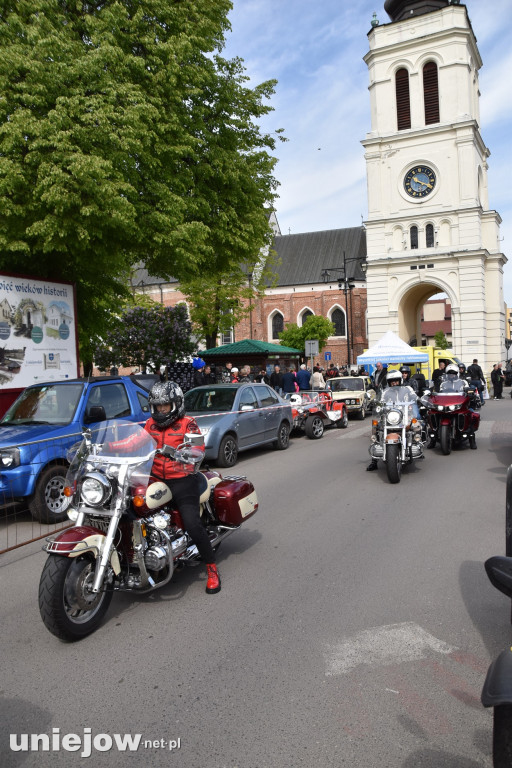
236,417
355,391
45,421
315,410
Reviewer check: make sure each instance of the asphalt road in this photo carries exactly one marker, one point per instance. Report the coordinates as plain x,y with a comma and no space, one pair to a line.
354,627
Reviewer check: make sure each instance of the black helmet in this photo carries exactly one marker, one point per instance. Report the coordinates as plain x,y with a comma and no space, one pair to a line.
462,367
166,393
405,369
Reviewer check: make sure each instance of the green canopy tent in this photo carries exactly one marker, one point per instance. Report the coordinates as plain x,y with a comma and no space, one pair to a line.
251,352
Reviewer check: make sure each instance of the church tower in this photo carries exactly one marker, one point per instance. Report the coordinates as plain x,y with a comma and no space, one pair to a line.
429,227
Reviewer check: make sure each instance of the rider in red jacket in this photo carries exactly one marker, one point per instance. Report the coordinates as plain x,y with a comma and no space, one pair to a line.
168,425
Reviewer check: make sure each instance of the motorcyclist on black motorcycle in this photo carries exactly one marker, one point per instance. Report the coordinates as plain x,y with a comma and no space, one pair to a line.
168,426
406,378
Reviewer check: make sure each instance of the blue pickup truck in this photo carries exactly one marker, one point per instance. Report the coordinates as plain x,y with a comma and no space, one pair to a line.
45,421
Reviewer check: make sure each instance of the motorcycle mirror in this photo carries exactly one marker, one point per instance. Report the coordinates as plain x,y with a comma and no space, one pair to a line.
192,438
499,571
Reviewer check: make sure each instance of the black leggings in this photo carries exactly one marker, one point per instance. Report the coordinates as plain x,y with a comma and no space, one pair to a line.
185,492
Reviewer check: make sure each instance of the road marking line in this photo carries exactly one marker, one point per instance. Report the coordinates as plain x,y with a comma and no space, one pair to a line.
391,644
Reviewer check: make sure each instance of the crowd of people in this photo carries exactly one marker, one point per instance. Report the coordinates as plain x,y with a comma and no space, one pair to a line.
292,379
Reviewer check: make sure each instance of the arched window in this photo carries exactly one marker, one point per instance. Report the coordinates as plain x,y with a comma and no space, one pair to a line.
338,320
307,313
403,103
414,237
277,325
429,233
431,93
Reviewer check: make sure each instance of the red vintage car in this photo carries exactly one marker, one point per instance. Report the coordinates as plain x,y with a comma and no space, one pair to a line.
315,410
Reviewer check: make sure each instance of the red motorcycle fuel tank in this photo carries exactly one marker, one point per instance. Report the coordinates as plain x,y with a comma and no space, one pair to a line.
235,501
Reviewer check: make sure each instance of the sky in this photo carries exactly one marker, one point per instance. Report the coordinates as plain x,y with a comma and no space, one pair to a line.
315,51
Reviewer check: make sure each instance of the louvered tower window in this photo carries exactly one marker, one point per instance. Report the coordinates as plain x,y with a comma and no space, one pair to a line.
403,103
431,93
414,237
277,325
429,234
338,320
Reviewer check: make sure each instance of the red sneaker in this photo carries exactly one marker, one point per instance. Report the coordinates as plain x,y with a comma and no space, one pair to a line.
213,582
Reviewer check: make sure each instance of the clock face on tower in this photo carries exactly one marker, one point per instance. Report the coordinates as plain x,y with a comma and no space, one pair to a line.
420,181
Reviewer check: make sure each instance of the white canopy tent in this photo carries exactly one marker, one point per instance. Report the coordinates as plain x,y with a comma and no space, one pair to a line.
391,349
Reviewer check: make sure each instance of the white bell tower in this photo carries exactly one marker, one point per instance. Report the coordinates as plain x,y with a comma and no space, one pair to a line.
429,227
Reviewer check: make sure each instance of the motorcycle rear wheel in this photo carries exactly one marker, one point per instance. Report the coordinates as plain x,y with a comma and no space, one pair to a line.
393,463
68,608
502,736
445,439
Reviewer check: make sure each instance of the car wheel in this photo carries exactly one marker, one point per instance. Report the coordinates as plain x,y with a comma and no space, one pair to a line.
343,422
49,505
283,437
228,452
314,427
362,412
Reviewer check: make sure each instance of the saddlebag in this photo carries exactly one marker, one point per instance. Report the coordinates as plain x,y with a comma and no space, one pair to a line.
235,501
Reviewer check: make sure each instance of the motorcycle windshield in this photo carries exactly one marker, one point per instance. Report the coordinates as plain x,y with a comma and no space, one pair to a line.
399,396
456,386
115,449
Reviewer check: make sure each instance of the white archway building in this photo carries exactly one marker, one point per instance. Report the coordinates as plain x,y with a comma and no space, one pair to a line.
429,227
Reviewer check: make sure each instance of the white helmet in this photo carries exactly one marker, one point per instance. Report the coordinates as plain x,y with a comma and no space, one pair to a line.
296,400
452,368
393,376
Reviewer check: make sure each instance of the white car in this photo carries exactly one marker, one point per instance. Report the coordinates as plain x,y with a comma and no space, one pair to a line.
356,392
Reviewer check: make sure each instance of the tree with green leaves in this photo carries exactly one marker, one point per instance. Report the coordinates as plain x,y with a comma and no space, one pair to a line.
440,340
147,338
314,327
125,138
219,300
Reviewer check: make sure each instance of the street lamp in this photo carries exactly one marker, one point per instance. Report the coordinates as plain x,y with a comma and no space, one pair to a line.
345,285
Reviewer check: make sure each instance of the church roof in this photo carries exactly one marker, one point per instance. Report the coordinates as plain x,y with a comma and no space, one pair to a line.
304,257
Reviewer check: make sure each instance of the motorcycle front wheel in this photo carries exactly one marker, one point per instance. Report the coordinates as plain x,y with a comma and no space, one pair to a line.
445,439
394,463
502,736
68,608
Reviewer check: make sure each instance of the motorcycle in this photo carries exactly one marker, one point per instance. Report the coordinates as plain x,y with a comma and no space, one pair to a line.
397,433
497,690
451,417
127,534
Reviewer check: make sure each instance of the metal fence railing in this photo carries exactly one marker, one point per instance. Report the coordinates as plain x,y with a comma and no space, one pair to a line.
32,503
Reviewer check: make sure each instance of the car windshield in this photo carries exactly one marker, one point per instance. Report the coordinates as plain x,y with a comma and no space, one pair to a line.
214,399
45,404
346,385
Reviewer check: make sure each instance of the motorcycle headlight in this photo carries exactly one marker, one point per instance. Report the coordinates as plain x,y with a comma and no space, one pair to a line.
393,418
9,458
440,407
95,489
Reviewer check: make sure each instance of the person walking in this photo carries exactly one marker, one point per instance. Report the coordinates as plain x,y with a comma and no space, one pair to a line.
303,378
276,380
289,381
497,379
477,379
317,380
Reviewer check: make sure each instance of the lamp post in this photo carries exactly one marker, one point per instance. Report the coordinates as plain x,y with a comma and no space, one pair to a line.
345,285
249,279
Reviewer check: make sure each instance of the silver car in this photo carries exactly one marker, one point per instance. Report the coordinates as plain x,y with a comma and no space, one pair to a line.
235,417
